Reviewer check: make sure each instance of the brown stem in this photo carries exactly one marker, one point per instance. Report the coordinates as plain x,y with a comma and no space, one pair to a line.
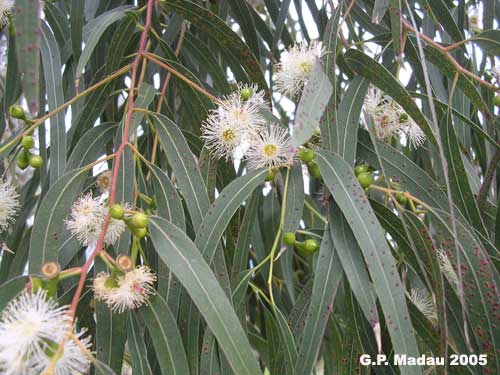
450,58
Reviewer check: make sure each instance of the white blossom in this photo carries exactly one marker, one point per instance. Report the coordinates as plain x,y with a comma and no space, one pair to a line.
72,361
415,135
9,204
28,324
390,119
87,219
125,291
423,301
295,68
234,122
271,148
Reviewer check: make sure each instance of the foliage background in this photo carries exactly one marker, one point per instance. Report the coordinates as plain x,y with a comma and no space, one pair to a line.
212,313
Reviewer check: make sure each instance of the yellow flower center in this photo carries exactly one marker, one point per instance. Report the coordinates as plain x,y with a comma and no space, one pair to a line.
228,135
270,150
306,67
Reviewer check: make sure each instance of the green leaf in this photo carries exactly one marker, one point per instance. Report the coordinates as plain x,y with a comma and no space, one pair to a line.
240,258
327,277
459,184
10,289
379,10
96,28
162,328
480,279
489,41
221,33
91,145
183,258
111,332
218,217
138,351
351,257
55,98
328,124
186,169
350,197
378,75
27,24
125,193
313,102
48,227
347,123
168,202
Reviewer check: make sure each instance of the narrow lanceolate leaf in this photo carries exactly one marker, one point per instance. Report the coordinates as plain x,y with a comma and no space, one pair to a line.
460,188
91,145
384,80
328,125
480,283
313,101
96,28
354,266
181,255
218,217
240,258
350,197
222,34
125,192
168,202
347,123
162,328
137,347
489,41
396,28
379,9
327,276
55,98
111,334
10,289
185,167
27,24
48,227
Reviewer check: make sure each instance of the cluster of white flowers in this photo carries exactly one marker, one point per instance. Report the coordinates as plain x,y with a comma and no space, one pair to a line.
31,327
391,120
87,219
423,301
5,9
295,67
125,291
9,204
239,123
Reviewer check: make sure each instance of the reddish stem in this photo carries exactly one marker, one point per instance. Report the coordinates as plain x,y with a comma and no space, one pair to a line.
116,164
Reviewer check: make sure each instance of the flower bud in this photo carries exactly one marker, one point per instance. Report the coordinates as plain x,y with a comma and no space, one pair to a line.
116,211
140,220
17,111
289,238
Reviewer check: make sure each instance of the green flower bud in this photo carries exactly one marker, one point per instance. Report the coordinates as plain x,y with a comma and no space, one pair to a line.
35,161
28,142
306,155
140,232
22,159
116,211
362,168
140,220
365,179
17,111
246,93
289,238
